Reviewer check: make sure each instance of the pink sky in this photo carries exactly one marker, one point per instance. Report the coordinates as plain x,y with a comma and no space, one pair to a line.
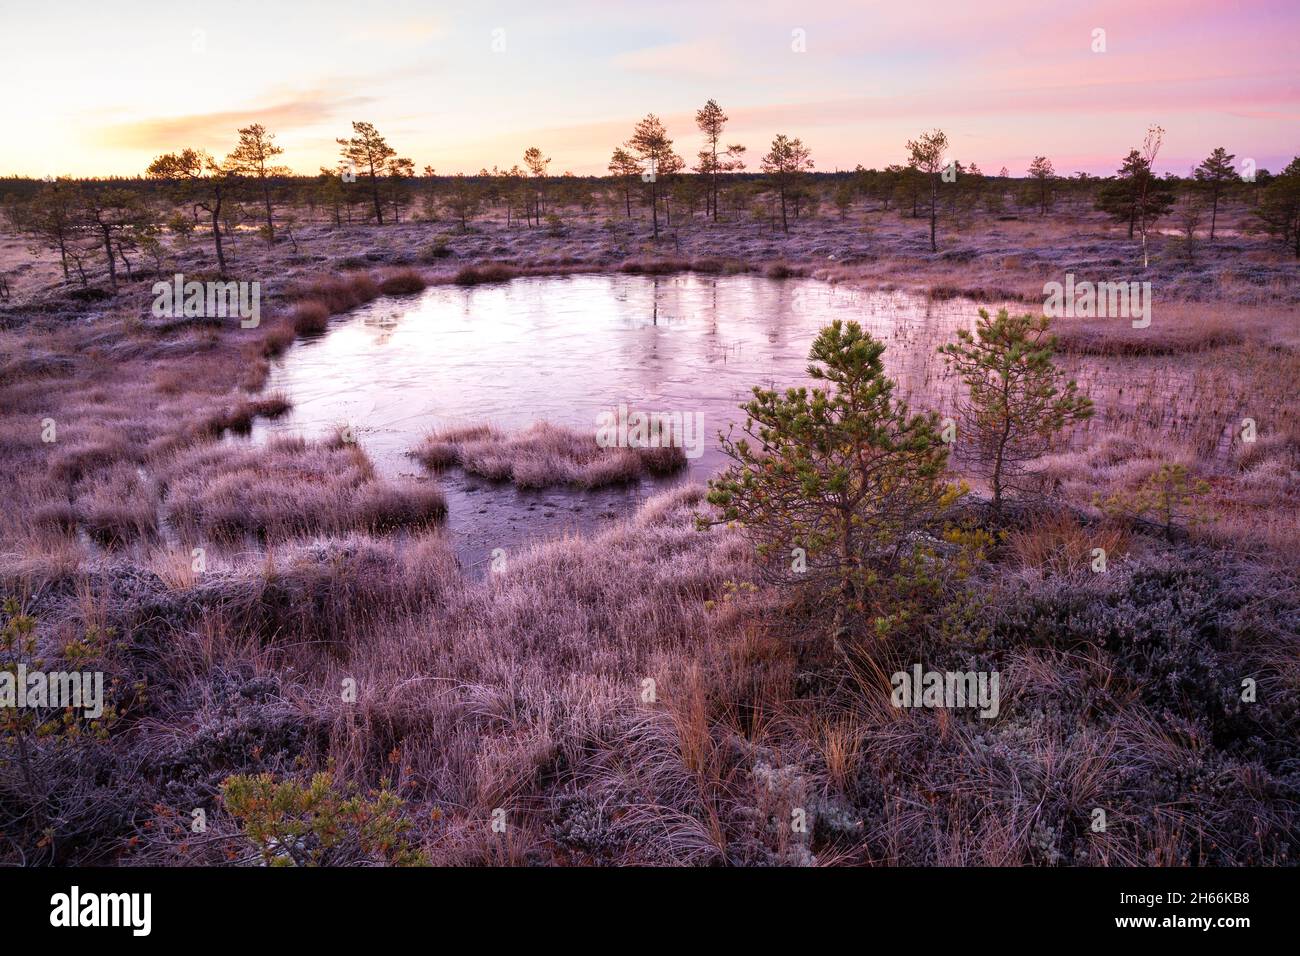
464,85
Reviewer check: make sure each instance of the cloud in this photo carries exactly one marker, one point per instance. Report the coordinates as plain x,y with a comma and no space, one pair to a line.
216,130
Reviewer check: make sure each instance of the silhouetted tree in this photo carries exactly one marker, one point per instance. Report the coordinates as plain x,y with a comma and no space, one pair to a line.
785,162
1215,174
1041,170
654,150
198,179
253,157
368,152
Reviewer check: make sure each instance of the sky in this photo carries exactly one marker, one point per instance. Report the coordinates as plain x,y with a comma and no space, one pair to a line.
93,87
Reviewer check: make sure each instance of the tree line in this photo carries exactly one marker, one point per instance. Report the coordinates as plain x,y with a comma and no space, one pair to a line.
189,191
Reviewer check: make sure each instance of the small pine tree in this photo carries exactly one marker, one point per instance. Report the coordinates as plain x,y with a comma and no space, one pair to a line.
1169,497
837,479
320,823
1214,175
1017,404
1041,170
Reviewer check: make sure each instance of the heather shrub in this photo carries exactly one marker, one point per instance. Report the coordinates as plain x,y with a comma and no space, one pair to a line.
62,791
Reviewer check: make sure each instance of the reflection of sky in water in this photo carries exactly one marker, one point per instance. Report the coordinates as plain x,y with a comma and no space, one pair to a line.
563,350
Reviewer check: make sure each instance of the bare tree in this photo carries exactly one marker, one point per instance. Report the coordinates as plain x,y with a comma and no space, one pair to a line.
1150,149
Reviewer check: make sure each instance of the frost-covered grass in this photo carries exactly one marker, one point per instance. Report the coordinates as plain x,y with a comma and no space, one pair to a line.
544,456
623,696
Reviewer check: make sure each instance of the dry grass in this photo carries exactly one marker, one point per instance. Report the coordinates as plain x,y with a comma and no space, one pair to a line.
289,489
484,273
544,456
402,282
1060,544
526,691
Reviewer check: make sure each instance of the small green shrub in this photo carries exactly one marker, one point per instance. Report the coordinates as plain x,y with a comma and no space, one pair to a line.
319,823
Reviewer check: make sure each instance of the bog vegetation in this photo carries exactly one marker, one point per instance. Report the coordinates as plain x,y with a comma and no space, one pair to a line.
299,673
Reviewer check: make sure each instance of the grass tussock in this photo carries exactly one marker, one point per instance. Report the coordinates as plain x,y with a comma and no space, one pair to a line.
402,282
337,293
310,318
544,456
486,272
239,417
289,488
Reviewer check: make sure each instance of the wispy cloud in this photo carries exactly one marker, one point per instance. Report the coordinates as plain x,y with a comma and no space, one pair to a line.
210,130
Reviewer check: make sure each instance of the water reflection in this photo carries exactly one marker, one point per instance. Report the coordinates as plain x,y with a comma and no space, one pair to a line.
563,350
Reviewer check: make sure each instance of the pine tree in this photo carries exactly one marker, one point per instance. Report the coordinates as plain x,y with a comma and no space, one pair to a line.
1134,194
368,152
835,477
537,164
651,145
926,155
1214,175
1041,169
1017,404
1279,205
253,157
623,166
785,162
197,178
